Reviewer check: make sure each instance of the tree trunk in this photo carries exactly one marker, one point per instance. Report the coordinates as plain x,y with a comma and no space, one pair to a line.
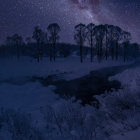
125,51
106,53
18,54
112,50
38,59
101,50
91,45
54,51
50,52
81,56
106,49
91,53
117,50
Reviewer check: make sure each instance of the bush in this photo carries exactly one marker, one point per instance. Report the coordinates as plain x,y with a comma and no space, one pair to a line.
73,121
19,125
123,108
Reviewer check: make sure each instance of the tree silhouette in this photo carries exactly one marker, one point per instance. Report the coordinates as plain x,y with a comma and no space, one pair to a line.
9,42
90,37
17,41
126,36
80,37
53,29
99,35
111,40
106,41
117,32
135,50
37,35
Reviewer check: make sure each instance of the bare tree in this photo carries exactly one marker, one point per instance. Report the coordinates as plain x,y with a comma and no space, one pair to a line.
53,29
136,49
9,42
90,37
126,36
43,42
117,37
111,40
37,35
80,37
99,35
106,41
17,41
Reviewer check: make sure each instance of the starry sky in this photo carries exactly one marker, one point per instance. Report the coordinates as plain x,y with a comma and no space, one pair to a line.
20,16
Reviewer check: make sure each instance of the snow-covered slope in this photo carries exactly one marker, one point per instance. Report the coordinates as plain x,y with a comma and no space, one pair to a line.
18,92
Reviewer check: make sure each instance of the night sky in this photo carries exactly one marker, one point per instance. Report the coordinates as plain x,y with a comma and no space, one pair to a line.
20,16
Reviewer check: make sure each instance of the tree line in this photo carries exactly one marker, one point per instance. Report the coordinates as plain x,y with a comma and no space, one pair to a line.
105,38
104,41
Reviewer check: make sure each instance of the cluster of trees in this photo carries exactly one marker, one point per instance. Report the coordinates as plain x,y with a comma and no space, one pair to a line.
40,37
104,41
105,38
15,41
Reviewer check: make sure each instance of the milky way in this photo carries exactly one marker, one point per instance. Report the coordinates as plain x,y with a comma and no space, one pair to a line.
20,16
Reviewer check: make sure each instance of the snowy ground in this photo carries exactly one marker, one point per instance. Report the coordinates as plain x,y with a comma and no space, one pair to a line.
27,67
132,135
18,92
129,78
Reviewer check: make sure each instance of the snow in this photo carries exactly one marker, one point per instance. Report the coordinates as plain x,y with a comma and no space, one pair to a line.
129,78
27,67
132,135
18,92
28,96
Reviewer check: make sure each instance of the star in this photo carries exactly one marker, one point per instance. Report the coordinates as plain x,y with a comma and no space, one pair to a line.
21,16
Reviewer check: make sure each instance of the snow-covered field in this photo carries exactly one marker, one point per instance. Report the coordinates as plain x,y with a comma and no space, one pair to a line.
27,67
19,93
